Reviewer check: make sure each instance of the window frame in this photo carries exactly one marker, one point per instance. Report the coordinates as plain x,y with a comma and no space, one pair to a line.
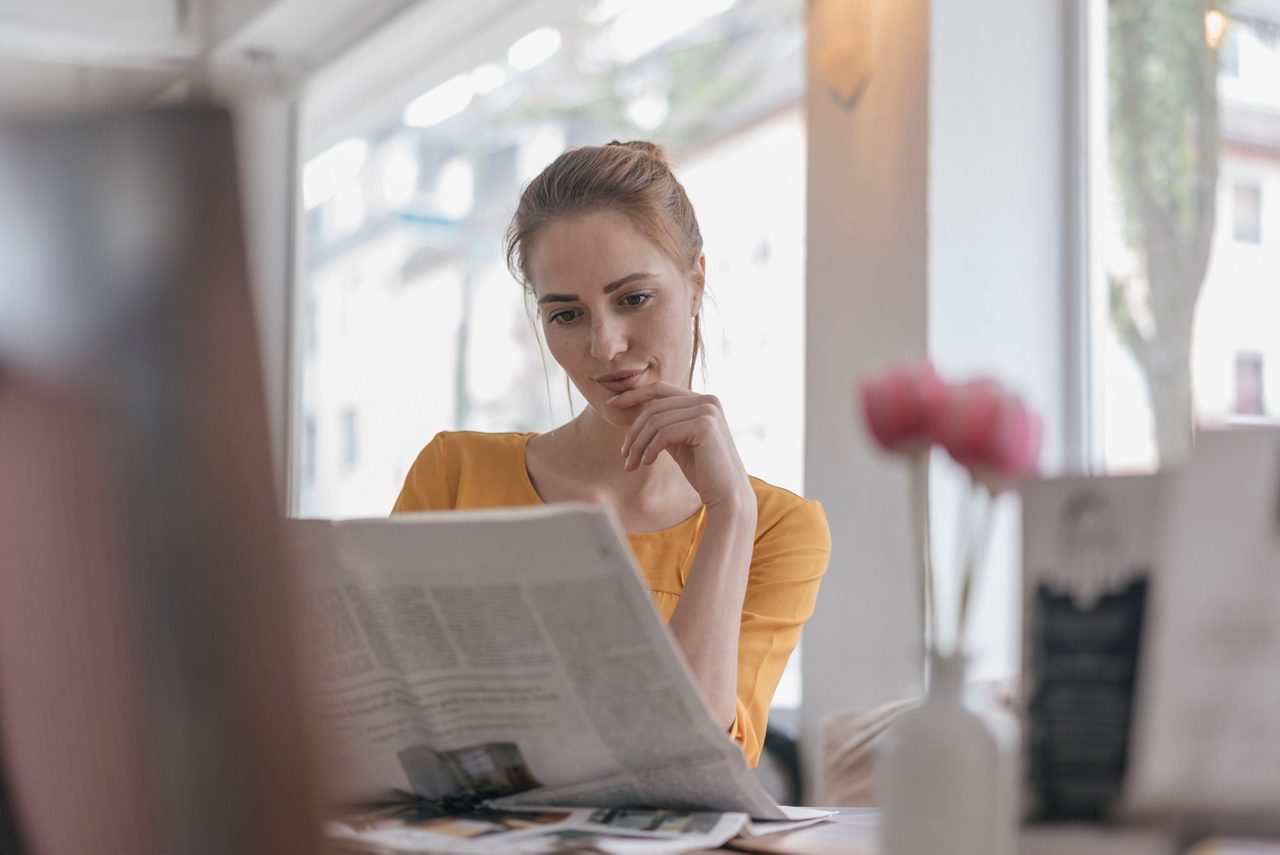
1085,52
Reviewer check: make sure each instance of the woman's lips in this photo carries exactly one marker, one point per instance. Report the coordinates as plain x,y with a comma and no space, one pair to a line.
618,382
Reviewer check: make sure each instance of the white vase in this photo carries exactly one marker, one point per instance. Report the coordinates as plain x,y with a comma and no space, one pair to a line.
946,772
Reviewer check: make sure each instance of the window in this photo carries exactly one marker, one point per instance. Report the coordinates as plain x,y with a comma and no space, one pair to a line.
349,430
309,450
1266,31
1188,275
413,320
1246,211
1249,395
414,324
1229,54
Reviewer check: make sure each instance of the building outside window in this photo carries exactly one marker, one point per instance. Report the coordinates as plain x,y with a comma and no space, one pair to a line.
1246,213
1250,399
309,440
349,431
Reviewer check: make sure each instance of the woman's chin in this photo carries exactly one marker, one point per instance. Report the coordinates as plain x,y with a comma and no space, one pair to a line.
616,417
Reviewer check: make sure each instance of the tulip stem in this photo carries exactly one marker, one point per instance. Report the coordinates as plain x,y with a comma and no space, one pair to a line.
924,548
981,505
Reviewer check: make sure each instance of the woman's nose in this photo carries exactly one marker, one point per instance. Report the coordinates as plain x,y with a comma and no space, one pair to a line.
607,339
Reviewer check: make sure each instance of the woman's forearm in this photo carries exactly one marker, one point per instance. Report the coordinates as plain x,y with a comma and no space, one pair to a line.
709,614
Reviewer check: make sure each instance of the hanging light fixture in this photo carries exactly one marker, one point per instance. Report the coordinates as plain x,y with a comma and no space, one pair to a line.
1215,27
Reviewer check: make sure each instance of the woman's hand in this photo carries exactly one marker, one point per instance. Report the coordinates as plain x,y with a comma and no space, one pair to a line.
692,429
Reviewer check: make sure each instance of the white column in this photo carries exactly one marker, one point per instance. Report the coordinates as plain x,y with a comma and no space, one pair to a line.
937,218
866,304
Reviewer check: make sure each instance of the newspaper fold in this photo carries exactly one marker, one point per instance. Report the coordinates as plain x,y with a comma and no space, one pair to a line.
505,653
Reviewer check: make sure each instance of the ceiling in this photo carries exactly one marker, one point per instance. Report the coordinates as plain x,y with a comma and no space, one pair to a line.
35,89
64,56
115,19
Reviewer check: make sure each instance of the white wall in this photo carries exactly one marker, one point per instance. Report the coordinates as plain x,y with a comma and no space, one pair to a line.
997,220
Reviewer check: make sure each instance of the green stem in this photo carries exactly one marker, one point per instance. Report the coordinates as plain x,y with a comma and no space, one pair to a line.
923,548
964,547
982,503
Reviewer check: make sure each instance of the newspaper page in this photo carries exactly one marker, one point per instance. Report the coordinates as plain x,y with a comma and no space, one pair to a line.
490,653
1207,737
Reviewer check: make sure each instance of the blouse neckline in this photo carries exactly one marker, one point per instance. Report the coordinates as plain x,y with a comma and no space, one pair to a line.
693,521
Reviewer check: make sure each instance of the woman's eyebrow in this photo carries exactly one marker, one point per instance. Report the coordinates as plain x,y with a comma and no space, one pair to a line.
608,289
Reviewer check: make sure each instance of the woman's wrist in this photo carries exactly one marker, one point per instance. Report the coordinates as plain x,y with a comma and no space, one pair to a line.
737,507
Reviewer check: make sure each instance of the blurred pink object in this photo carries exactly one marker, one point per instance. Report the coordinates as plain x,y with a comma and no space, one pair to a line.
903,407
987,430
990,432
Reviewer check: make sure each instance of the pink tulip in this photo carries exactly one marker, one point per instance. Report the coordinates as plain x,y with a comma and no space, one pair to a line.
903,407
991,432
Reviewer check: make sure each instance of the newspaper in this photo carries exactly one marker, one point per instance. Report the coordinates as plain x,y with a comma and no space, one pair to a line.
428,827
512,653
529,831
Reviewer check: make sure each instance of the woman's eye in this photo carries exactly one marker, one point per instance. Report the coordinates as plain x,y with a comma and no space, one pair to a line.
561,317
637,299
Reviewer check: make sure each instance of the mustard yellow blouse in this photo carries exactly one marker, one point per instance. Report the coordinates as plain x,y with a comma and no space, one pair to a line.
467,470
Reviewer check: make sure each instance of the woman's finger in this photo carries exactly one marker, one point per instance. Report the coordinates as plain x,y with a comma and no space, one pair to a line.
693,426
692,432
648,392
652,408
645,435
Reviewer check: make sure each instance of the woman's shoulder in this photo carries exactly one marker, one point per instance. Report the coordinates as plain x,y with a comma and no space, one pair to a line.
453,448
454,462
473,442
780,512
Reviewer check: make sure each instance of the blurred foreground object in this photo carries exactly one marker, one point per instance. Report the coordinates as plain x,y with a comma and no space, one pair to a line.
1090,559
148,698
1207,731
1151,671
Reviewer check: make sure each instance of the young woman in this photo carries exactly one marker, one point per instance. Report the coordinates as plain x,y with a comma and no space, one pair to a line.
606,245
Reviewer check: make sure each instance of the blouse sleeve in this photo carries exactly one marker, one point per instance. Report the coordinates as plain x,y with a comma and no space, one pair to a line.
786,568
432,482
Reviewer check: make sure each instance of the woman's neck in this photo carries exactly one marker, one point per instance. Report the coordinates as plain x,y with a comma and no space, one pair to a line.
593,450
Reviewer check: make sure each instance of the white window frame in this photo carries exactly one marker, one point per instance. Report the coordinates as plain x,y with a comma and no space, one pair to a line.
1085,52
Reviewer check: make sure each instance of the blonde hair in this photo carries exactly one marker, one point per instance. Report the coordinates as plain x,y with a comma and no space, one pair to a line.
629,178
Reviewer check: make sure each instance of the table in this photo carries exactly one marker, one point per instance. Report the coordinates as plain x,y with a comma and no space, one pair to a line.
852,831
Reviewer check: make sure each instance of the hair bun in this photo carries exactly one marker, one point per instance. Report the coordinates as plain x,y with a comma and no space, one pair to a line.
653,150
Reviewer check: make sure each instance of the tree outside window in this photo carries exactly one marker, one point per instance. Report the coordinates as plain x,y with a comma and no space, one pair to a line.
1194,142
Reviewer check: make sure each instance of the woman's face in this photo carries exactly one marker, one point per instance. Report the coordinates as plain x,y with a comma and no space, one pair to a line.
616,311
